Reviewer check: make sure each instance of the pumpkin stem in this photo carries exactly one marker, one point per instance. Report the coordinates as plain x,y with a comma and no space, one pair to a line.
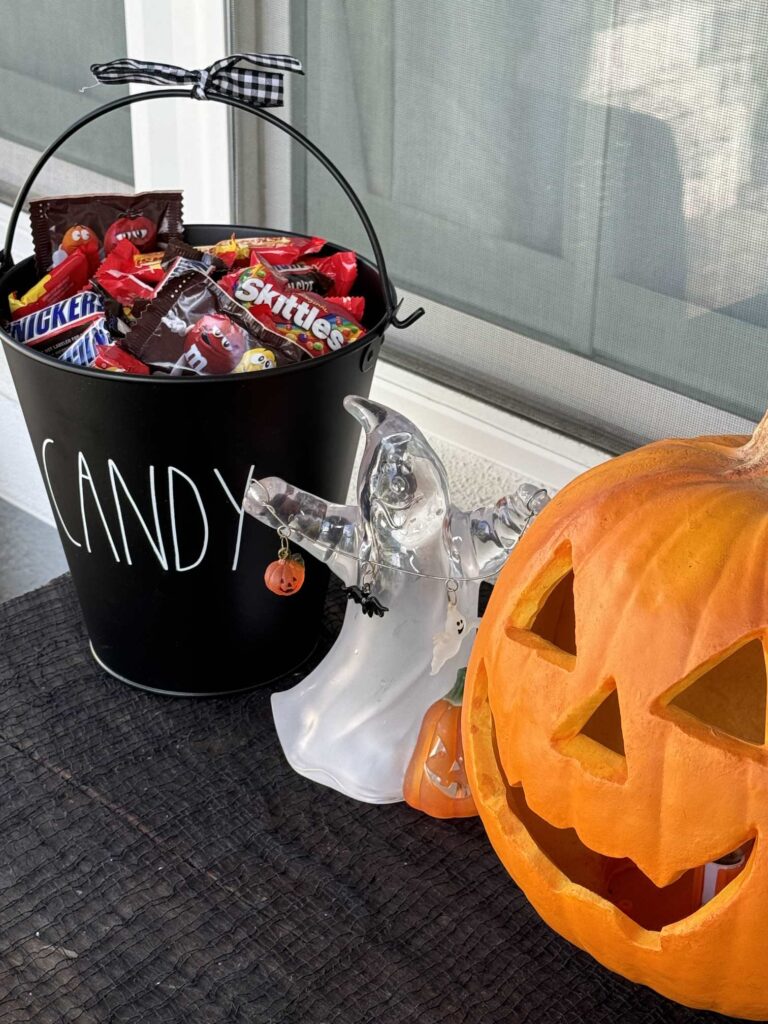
456,694
754,454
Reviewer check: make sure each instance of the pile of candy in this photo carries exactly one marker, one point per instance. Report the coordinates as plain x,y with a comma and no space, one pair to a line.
121,291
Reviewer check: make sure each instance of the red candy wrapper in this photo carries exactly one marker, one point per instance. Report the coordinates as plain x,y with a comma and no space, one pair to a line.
353,304
340,267
319,325
194,326
236,252
116,359
96,224
120,277
65,280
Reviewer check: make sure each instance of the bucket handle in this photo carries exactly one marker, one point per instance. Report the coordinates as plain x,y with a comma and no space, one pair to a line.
389,293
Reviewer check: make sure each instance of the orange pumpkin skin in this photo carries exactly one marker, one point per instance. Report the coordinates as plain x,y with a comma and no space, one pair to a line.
668,549
436,778
285,576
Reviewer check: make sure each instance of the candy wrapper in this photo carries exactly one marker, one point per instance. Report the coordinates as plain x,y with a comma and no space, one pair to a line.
121,278
84,349
68,278
319,325
340,268
51,330
194,326
116,359
277,249
95,224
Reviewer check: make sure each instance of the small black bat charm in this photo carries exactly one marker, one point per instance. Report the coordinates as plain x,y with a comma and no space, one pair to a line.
370,605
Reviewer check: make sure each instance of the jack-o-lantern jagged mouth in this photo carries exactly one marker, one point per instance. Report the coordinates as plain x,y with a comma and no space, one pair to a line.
619,881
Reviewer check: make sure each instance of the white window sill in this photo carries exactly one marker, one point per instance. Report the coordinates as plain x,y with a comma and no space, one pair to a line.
486,451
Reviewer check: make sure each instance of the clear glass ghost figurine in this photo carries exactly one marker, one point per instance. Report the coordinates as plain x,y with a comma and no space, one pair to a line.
352,723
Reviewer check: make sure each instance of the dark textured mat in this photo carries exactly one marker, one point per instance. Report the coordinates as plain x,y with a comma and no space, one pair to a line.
160,862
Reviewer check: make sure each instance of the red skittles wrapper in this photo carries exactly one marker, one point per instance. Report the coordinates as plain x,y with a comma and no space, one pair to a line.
317,324
194,326
96,224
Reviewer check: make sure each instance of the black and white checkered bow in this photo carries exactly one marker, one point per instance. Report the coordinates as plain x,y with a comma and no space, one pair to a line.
257,88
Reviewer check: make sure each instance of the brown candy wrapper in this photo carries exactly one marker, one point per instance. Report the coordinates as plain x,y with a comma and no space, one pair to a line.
193,326
95,224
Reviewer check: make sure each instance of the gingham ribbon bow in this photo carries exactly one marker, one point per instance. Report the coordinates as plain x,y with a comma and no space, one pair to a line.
256,87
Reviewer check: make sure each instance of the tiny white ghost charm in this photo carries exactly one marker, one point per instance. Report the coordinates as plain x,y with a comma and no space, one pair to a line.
446,644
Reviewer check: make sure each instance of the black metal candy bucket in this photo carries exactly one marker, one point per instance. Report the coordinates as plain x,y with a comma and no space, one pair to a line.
146,477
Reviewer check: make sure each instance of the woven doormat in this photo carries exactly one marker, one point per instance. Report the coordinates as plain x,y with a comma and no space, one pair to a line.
159,862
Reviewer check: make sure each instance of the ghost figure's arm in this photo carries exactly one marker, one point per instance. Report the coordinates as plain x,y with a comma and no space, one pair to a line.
495,529
327,531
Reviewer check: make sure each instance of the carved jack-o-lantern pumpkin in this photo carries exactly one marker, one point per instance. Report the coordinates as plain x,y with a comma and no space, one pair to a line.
436,779
615,718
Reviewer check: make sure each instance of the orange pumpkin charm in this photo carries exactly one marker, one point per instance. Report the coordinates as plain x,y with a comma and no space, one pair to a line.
285,576
436,780
615,718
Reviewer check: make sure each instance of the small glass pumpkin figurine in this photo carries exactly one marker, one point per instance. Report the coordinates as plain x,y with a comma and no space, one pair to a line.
436,779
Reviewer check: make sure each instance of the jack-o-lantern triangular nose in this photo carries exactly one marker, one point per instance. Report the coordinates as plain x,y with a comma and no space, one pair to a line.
604,724
729,696
593,734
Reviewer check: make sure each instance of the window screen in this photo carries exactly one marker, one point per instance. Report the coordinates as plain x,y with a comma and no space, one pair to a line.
589,173
46,49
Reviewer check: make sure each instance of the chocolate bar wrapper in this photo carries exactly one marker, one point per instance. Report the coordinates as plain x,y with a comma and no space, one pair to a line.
51,330
68,278
194,326
203,260
96,223
236,252
304,278
83,350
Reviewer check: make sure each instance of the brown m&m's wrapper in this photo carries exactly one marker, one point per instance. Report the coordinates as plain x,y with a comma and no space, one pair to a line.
194,326
95,224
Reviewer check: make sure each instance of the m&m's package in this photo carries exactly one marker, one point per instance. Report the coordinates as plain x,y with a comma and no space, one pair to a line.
95,224
120,290
194,326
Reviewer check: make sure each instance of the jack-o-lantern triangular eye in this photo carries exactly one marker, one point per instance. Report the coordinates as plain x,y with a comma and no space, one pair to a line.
729,695
556,619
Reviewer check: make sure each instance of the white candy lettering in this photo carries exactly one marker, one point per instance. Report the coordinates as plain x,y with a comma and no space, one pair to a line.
321,328
239,509
173,471
157,545
51,495
83,475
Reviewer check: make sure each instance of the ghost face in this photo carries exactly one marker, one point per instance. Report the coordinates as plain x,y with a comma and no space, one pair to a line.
408,503
214,344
